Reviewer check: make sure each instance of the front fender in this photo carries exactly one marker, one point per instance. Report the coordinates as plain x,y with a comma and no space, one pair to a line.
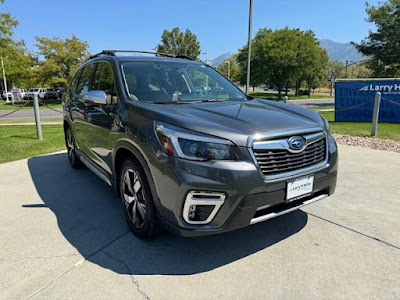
131,146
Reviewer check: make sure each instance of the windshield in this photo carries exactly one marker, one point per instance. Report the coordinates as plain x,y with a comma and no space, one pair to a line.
177,82
33,90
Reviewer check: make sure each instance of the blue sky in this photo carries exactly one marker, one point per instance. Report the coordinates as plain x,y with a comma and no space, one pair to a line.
220,25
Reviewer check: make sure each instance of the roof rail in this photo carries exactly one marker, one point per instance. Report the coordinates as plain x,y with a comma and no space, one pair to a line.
112,53
104,52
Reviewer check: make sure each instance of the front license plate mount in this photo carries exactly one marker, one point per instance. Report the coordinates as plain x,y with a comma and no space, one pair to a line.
299,188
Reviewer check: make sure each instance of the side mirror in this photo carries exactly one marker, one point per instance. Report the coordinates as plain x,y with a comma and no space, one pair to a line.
95,97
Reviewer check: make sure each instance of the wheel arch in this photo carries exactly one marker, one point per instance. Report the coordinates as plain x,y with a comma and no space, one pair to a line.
124,149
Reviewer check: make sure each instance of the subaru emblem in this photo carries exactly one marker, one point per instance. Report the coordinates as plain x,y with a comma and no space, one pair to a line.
297,142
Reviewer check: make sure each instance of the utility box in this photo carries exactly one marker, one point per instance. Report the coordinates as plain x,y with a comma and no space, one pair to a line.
354,92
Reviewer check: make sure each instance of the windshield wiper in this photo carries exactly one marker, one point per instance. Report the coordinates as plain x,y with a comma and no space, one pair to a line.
171,102
213,100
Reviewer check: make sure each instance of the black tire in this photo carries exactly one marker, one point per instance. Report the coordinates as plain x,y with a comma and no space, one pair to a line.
137,200
73,158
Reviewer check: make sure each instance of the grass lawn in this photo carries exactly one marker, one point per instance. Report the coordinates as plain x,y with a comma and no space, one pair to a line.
274,96
17,142
385,130
56,104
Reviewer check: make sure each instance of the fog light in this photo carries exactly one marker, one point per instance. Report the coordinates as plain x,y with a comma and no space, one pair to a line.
201,207
192,212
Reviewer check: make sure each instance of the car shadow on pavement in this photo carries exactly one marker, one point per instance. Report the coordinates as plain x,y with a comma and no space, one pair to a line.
90,217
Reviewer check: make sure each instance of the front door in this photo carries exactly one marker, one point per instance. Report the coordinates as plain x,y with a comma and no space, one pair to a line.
78,110
101,120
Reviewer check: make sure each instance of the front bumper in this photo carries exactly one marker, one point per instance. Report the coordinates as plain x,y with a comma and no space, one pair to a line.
249,199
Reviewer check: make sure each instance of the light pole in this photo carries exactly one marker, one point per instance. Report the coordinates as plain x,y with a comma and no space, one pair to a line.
332,82
5,80
229,69
352,68
249,47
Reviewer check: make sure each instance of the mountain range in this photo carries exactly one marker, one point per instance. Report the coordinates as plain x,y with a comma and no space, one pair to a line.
336,51
219,59
341,51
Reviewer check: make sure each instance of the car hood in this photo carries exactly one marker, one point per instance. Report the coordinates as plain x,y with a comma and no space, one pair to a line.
234,120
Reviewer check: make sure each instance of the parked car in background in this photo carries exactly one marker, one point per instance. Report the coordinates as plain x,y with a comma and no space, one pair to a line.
18,94
54,93
24,91
40,92
4,97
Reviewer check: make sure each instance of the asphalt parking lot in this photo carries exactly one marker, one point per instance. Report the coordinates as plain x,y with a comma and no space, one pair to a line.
63,236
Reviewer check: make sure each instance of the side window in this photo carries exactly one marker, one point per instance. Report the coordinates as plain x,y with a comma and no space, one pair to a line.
84,81
74,83
104,80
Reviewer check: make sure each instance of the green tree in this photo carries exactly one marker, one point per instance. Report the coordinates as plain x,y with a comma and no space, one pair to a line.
284,58
233,69
311,62
18,61
317,69
258,74
383,44
61,58
20,66
7,26
334,69
179,43
361,70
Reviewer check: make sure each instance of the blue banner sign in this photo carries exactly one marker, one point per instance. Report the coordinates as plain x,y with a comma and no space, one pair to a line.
353,93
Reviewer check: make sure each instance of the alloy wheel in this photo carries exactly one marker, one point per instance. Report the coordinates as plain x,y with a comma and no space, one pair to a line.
134,198
70,146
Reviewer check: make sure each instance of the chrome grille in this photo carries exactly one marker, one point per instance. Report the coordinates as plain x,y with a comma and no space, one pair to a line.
274,157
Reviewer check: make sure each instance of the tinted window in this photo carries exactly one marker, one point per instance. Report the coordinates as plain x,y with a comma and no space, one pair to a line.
74,83
175,81
84,81
104,80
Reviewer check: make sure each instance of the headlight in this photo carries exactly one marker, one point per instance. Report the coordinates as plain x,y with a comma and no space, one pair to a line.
326,124
181,143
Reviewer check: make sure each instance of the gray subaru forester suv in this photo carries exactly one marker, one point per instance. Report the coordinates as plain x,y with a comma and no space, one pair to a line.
187,150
